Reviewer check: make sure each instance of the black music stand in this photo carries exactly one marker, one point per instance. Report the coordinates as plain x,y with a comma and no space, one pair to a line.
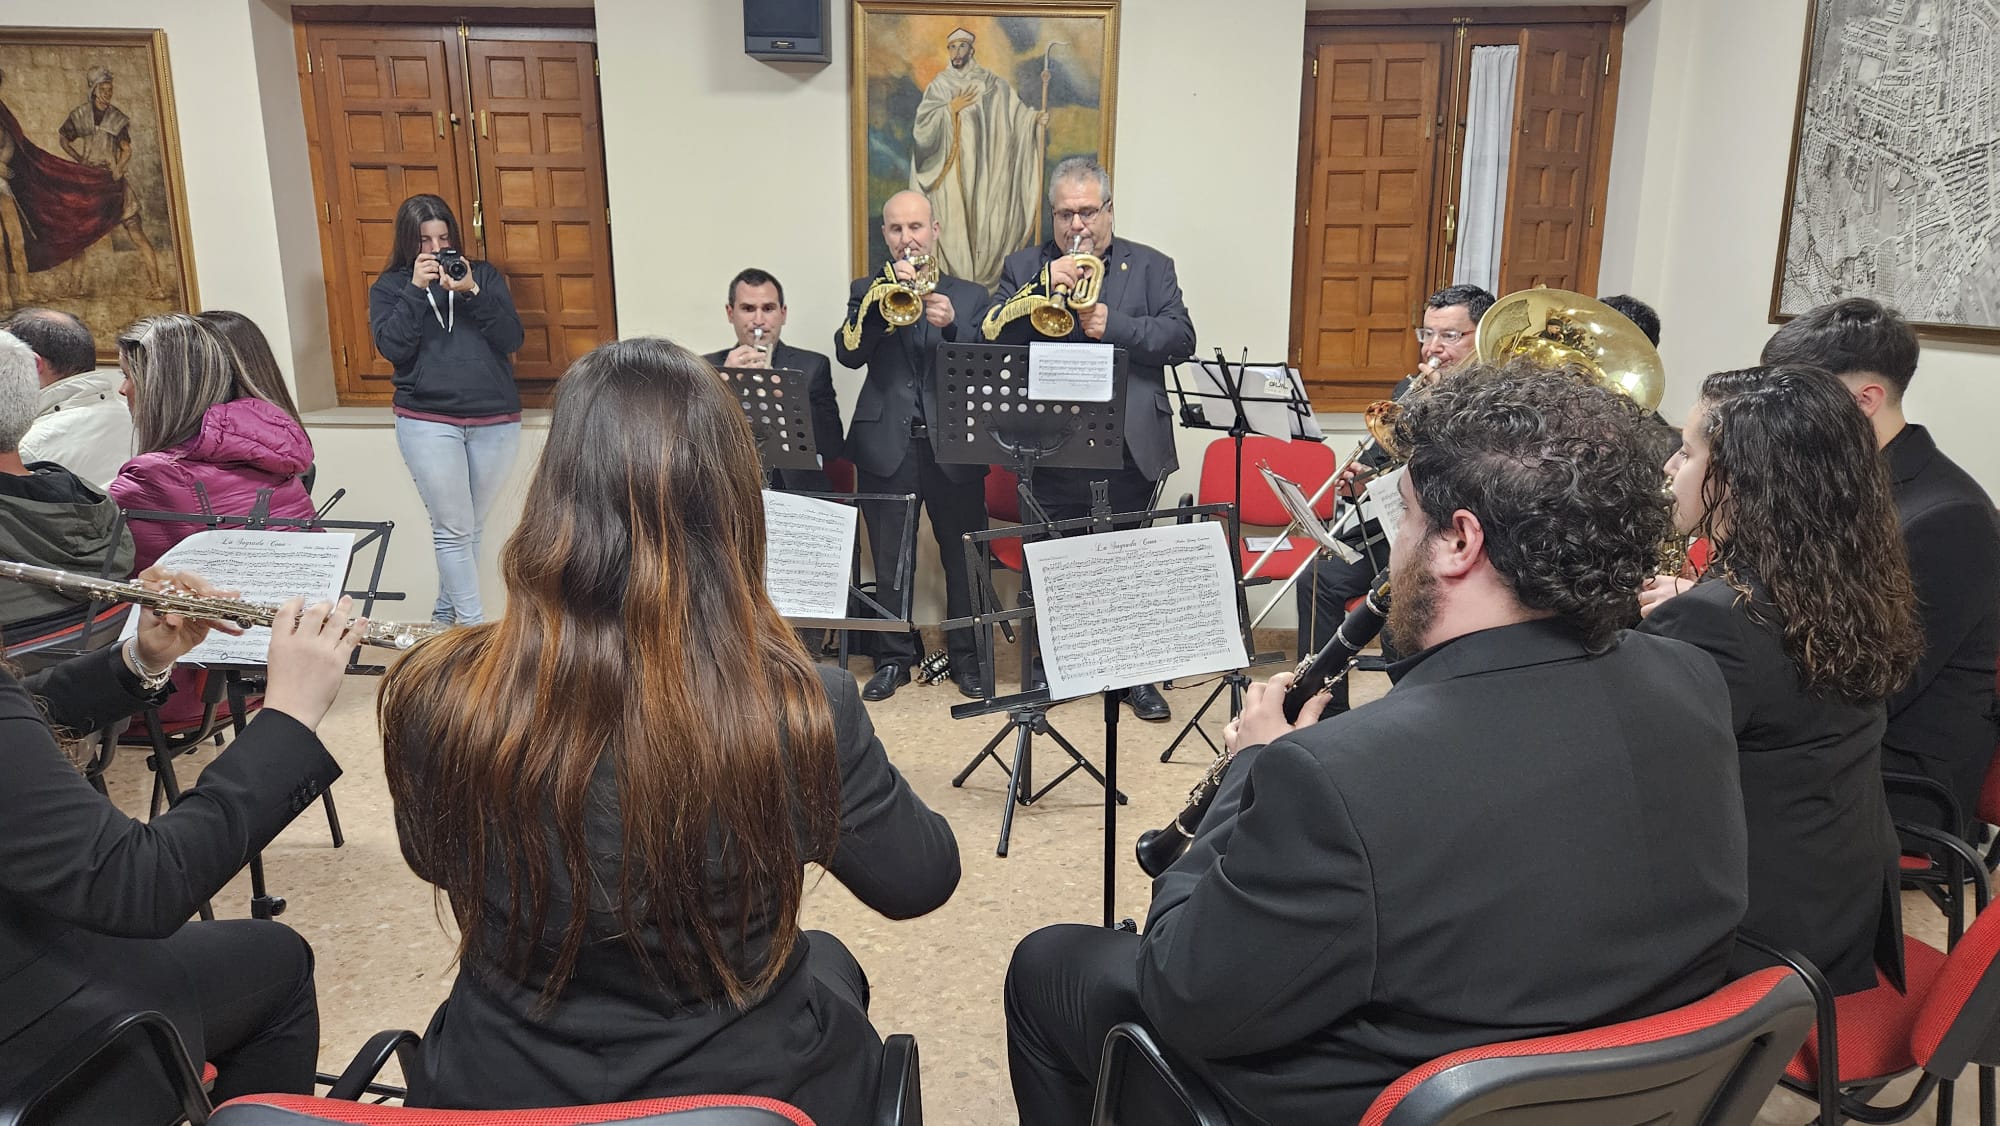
988,419
1235,394
237,678
779,409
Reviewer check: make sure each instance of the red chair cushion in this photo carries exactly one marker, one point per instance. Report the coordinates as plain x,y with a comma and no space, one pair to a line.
1308,464
208,1074
1282,562
372,1114
1875,1024
1969,962
1729,1001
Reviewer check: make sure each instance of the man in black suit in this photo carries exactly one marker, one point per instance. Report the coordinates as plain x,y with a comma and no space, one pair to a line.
1941,723
889,441
756,310
1321,936
1139,309
1444,343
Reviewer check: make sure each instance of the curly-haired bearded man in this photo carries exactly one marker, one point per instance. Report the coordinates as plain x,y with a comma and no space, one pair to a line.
1370,892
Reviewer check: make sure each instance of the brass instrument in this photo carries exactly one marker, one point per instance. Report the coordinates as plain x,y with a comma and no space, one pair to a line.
388,635
757,342
1556,328
903,301
1055,315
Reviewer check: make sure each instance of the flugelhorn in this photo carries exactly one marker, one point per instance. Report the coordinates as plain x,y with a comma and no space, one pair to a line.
1055,315
388,635
757,342
903,301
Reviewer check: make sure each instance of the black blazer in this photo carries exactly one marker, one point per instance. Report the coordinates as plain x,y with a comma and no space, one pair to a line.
819,388
1945,713
1823,878
614,1035
1522,838
83,886
901,383
1147,318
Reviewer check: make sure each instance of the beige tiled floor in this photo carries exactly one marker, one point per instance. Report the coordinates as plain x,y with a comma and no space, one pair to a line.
385,960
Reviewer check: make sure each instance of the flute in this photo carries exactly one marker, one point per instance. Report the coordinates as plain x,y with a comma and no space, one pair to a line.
388,635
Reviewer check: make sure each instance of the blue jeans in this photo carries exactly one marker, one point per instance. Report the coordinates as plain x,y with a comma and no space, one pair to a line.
458,471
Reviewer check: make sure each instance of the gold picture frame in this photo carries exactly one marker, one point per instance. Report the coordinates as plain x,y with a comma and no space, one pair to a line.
1039,83
95,207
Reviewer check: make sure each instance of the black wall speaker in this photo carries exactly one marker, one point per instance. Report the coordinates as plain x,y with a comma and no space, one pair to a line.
794,30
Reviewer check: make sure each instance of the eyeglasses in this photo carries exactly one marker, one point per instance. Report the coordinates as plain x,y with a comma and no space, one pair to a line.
1448,335
1087,214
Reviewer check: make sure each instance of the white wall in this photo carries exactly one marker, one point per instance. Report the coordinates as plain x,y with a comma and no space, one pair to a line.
1697,193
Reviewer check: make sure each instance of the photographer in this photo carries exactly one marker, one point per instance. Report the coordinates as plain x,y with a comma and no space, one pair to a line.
458,414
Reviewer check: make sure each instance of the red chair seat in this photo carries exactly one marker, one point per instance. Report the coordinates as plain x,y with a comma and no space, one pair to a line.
253,1110
1875,1025
1282,562
1911,863
208,1074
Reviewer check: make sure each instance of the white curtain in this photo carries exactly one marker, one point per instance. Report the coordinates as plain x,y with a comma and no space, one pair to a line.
1482,189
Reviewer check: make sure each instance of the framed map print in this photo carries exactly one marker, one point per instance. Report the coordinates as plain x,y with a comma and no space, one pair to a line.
1894,190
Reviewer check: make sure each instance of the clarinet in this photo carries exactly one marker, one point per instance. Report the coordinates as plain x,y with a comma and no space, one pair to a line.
1159,848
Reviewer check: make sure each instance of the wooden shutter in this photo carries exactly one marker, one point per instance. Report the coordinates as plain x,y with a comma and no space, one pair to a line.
1551,200
1371,167
384,132
542,196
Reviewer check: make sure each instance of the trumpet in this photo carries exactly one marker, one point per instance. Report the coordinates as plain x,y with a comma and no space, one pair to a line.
903,301
388,635
1055,315
757,342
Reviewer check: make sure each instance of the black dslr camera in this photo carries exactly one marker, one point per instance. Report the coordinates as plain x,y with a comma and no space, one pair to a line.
453,264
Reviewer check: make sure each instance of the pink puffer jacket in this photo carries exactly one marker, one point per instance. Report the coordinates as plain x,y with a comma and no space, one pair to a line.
244,445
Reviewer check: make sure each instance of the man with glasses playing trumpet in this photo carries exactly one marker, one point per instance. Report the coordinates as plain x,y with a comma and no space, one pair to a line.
895,321
1082,286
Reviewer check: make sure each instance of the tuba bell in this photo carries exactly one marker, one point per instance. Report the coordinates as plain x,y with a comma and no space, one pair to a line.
1055,315
1555,328
903,301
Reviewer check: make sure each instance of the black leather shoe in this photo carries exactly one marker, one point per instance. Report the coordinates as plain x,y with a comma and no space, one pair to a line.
888,677
969,684
1148,704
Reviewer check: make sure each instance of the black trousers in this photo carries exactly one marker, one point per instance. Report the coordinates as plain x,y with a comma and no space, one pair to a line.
239,991
955,508
1067,985
1322,595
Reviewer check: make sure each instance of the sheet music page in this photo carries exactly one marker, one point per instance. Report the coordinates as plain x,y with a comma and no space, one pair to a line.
1266,543
1078,373
1134,606
808,546
1385,492
266,567
1271,394
1299,506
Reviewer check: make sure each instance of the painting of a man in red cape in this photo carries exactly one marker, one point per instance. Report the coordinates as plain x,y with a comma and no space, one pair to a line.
53,208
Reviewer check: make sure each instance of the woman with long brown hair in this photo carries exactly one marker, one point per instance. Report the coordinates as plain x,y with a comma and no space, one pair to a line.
618,785
1807,607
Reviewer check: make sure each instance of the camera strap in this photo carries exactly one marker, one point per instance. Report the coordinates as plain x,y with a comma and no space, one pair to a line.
450,307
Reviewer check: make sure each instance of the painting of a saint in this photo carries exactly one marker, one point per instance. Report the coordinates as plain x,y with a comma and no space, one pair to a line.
971,104
92,212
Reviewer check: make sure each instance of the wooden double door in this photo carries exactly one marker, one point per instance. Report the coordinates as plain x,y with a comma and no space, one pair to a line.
504,124
1381,162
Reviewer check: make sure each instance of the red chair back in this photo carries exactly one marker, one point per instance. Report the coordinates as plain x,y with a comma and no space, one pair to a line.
1711,1063
840,472
695,1110
1003,502
1308,464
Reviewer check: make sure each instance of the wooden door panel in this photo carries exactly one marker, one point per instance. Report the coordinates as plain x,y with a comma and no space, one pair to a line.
1549,198
385,111
541,178
1368,201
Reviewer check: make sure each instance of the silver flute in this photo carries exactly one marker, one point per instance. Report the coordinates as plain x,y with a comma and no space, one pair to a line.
388,635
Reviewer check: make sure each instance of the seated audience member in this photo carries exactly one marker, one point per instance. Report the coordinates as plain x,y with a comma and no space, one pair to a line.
83,423
756,312
94,905
1806,607
256,365
207,443
1941,721
576,748
1320,937
48,516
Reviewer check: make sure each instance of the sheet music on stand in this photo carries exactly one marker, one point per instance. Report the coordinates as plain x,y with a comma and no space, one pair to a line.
266,567
1272,397
1299,506
808,553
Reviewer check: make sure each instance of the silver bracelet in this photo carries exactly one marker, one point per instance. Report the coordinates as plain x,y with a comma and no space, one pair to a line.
151,682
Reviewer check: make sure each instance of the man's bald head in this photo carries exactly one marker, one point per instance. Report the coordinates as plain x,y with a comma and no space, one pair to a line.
907,226
62,344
